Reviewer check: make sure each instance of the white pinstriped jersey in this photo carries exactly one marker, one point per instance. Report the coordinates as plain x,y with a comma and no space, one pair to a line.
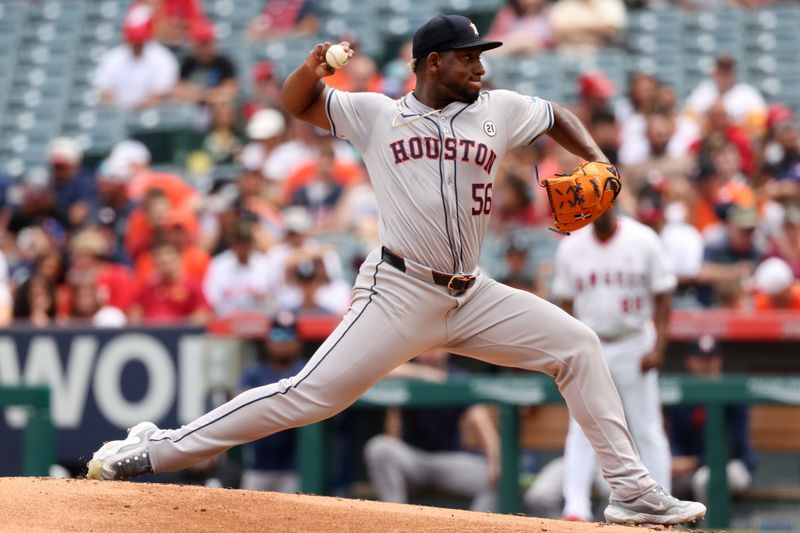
433,170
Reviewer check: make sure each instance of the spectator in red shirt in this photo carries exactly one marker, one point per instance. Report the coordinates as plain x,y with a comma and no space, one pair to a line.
87,308
112,284
718,130
168,296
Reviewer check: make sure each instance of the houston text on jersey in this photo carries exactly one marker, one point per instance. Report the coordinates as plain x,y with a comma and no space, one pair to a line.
429,147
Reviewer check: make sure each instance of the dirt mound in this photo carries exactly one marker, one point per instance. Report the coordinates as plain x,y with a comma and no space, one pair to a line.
40,504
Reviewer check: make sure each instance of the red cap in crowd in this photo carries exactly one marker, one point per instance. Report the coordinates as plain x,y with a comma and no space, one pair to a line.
778,114
595,84
202,32
138,25
263,70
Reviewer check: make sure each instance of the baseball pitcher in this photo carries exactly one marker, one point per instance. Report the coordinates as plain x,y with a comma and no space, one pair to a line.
432,156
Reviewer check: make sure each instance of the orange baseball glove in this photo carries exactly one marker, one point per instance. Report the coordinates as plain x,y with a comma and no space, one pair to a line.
582,196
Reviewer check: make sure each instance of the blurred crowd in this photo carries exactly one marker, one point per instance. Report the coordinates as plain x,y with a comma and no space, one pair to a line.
268,213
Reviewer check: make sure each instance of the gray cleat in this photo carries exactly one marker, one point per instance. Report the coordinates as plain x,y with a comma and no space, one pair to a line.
122,459
655,507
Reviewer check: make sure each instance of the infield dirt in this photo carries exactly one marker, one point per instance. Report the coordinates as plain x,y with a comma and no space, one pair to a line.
43,504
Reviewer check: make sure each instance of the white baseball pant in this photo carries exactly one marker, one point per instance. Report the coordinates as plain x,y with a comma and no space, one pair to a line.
642,403
395,316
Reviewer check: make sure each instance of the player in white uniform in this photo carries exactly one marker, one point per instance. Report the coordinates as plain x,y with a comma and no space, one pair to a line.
615,277
432,157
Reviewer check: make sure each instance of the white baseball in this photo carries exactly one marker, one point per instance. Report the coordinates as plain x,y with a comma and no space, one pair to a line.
337,56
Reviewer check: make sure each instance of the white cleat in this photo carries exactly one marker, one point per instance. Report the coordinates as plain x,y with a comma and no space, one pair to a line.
655,507
122,459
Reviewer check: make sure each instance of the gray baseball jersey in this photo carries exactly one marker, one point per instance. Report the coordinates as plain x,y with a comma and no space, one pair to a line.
433,170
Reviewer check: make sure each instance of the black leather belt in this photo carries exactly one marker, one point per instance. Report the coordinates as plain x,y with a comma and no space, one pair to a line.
457,283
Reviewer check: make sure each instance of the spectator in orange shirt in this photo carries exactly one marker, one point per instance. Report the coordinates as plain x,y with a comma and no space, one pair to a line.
150,214
719,184
167,296
360,75
181,195
775,286
177,230
131,159
343,172
130,163
718,130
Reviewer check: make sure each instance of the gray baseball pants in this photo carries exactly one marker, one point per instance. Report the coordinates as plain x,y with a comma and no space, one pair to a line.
395,316
396,468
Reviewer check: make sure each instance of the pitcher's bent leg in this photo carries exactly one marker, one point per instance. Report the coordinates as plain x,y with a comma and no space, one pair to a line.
365,346
514,328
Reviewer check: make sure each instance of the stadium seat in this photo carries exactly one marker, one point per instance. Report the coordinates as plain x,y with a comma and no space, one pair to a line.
50,49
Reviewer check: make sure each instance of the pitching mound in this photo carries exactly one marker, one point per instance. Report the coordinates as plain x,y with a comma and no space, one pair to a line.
40,504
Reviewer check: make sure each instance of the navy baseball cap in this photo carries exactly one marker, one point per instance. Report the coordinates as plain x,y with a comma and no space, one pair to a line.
705,346
284,327
448,32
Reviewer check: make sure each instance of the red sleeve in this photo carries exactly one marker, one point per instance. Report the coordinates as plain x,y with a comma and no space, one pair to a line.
141,295
199,301
741,141
138,233
63,301
119,285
